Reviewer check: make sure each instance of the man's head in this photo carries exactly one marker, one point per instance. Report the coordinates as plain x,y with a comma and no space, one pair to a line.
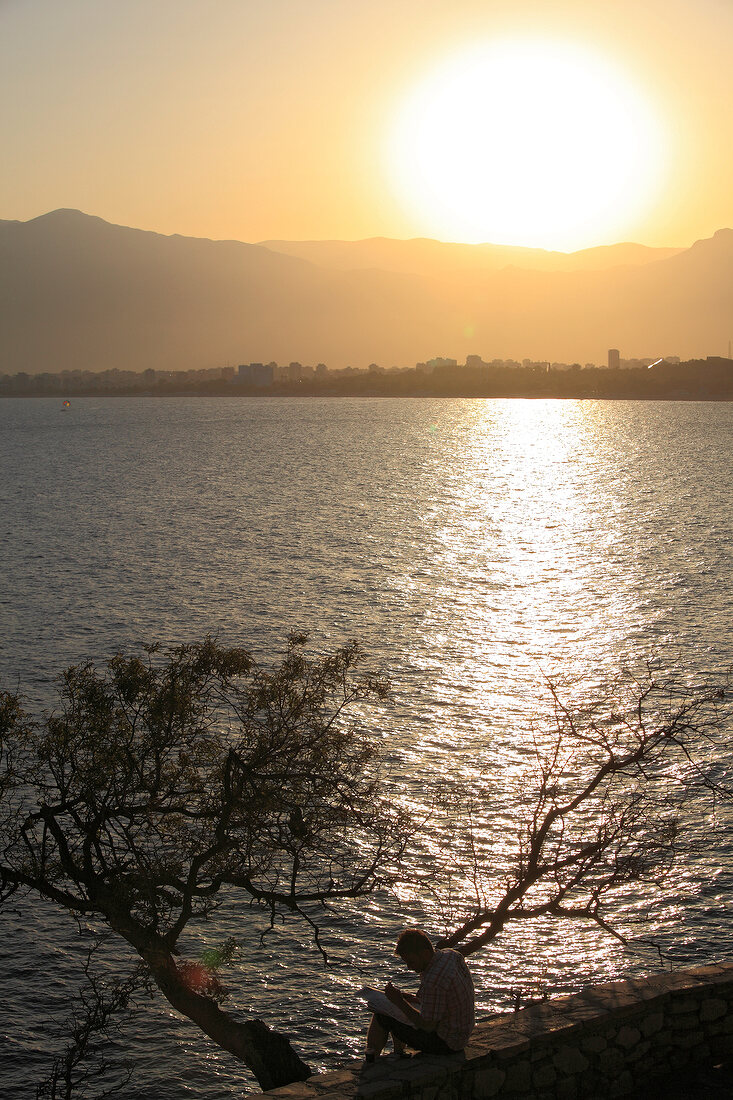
415,949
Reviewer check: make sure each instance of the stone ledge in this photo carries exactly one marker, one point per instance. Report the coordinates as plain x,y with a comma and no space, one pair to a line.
606,1041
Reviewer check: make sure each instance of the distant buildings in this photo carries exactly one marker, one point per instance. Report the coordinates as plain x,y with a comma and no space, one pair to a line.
643,377
256,374
292,373
434,364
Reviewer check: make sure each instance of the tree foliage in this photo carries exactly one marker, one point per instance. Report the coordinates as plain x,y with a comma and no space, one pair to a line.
160,784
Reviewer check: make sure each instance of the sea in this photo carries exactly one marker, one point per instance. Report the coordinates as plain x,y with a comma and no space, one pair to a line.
477,549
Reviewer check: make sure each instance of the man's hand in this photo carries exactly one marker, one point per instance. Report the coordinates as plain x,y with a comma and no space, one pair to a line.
393,994
407,1003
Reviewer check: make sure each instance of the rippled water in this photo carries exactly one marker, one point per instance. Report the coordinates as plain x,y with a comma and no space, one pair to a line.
471,546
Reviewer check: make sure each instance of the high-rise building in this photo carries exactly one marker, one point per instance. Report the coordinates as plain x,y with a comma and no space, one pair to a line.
256,374
614,359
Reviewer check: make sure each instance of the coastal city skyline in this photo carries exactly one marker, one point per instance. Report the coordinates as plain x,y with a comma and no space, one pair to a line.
667,379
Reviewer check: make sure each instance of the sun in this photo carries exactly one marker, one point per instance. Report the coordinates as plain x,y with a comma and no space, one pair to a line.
538,143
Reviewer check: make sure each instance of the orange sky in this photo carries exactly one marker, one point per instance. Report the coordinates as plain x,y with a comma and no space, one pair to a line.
251,120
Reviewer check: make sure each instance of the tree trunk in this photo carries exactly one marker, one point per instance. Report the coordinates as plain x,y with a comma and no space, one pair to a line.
266,1052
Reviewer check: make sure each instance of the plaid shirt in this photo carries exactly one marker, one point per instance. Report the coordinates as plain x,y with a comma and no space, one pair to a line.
447,999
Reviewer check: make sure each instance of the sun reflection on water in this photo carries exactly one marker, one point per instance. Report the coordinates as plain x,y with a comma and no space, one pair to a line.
474,547
551,585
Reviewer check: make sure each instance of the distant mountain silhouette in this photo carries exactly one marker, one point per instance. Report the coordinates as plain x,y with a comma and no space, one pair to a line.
78,292
423,256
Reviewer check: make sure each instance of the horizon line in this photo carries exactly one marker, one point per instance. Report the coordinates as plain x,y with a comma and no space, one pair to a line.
264,241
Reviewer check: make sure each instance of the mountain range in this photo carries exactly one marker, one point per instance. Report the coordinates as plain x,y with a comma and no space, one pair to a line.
77,292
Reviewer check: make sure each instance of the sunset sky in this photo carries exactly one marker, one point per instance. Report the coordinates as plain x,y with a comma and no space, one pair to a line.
555,123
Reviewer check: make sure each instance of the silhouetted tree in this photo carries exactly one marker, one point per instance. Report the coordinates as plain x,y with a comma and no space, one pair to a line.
93,1019
159,784
618,787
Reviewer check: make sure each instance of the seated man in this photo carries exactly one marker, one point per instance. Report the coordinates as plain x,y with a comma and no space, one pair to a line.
441,1014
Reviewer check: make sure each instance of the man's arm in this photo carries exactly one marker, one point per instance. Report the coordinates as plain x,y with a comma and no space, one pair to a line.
406,1002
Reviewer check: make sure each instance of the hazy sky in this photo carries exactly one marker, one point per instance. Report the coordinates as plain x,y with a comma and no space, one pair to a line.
358,118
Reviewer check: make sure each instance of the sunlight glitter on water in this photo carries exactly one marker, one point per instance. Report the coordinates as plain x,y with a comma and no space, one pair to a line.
474,547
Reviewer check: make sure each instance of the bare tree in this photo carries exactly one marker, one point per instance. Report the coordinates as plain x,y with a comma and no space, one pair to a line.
607,805
161,784
79,1070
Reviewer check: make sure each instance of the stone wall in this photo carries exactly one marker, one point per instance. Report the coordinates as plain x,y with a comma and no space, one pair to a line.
604,1042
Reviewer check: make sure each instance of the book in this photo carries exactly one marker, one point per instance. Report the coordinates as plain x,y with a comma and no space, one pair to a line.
379,1002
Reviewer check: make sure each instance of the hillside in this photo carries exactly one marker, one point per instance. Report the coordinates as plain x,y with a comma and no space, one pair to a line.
78,292
437,259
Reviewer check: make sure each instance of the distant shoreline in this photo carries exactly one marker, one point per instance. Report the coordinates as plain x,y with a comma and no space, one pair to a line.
708,379
383,396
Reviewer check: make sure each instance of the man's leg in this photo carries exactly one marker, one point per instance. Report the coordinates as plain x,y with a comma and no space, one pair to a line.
376,1038
404,1035
398,1045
